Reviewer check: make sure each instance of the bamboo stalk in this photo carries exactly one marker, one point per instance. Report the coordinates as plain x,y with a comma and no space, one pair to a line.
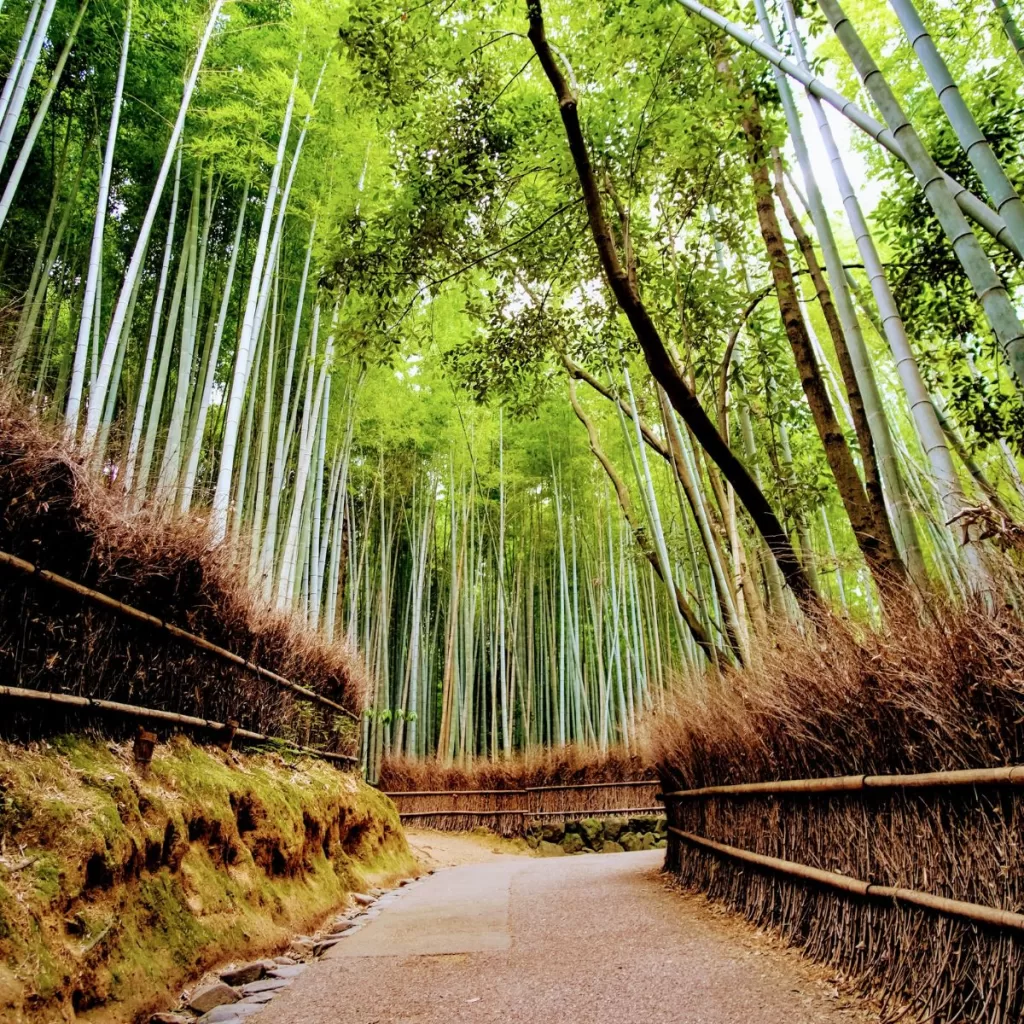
151,714
979,211
992,916
1010,775
34,572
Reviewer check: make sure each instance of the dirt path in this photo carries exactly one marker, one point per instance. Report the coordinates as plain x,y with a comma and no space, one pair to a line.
519,940
453,849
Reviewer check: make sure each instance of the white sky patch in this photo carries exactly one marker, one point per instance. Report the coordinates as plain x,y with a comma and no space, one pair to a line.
868,189
589,292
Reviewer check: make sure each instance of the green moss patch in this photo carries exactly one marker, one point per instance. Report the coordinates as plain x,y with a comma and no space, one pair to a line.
119,884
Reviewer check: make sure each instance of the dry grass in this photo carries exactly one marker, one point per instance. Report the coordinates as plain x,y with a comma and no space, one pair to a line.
945,693
565,766
55,514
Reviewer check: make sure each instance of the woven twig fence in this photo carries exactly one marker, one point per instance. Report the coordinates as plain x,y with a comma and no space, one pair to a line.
910,884
216,691
507,811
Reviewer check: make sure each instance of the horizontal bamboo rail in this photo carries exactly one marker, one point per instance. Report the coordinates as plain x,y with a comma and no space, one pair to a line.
515,792
455,792
515,807
1010,775
976,912
463,814
591,785
156,715
33,572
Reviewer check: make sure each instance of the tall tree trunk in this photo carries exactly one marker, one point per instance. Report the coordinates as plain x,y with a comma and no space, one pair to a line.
879,556
98,228
658,360
23,79
858,413
142,401
889,323
693,623
1010,27
199,431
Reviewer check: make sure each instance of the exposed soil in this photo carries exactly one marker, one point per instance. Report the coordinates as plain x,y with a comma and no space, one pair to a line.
435,849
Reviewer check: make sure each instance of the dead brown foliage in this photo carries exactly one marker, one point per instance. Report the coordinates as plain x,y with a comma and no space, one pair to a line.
943,693
563,766
55,514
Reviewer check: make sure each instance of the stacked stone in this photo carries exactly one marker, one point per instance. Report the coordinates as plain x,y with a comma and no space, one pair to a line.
597,835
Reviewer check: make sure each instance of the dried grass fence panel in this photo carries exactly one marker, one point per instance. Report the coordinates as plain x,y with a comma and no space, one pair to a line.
506,811
60,637
501,810
596,799
912,884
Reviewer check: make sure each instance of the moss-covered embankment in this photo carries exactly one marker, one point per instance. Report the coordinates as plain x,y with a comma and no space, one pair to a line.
118,884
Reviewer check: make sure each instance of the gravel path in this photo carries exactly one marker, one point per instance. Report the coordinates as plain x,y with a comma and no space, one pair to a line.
525,941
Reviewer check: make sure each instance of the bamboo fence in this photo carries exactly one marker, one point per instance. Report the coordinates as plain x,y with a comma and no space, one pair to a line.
34,698
509,811
958,781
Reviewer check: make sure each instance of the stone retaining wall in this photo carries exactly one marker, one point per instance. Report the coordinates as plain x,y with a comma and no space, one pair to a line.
596,835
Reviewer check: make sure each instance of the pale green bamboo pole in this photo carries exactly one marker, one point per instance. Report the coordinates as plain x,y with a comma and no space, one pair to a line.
263,452
142,401
1010,27
248,332
100,454
983,215
239,507
38,303
890,324
170,464
850,326
34,280
160,384
37,122
97,395
989,287
975,145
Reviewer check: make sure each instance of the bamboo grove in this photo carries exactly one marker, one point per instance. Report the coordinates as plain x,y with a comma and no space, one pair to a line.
551,354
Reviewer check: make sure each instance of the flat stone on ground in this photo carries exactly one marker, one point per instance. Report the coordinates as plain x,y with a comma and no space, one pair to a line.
362,899
267,985
290,971
208,997
257,998
325,944
242,975
230,1014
